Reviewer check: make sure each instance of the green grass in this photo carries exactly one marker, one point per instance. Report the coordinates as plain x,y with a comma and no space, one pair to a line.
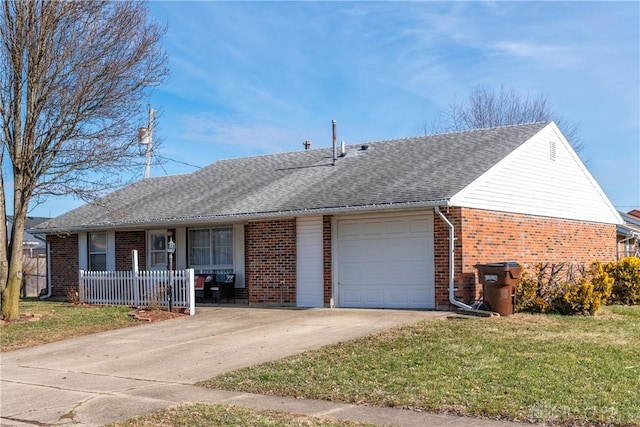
55,321
233,416
552,369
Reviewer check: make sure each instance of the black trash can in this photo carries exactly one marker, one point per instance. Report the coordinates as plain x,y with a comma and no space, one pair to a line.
499,281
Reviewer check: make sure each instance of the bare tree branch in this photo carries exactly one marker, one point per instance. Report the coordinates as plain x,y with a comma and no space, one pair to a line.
73,79
486,108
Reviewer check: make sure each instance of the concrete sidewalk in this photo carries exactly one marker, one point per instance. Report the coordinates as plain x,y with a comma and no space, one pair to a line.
112,376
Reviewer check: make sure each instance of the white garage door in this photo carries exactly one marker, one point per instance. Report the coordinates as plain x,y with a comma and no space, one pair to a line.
386,262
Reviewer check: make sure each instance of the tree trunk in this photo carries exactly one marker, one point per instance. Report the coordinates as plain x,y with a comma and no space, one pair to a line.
4,242
11,293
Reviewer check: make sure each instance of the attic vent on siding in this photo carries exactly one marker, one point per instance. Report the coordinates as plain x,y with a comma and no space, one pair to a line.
552,151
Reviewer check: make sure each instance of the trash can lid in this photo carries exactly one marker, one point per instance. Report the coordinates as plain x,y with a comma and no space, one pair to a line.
506,264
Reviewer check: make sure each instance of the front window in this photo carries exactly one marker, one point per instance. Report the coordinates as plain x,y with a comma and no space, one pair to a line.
158,250
98,251
211,248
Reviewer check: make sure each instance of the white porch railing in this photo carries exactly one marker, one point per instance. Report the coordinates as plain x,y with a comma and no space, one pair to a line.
142,288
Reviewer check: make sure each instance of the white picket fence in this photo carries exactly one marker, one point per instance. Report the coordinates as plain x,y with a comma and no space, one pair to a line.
142,288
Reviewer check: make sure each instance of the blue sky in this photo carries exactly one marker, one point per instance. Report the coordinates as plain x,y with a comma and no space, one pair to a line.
252,78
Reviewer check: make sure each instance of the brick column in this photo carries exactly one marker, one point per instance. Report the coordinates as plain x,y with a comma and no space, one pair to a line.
270,260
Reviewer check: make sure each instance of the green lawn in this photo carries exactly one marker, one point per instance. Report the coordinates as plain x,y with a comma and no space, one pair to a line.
553,369
558,370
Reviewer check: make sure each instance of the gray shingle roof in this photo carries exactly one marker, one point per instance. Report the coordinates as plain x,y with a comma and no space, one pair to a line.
30,223
423,169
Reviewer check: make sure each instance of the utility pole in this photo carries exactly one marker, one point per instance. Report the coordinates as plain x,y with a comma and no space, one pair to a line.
145,137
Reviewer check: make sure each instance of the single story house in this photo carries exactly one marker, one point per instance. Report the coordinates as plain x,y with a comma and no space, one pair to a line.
629,234
386,224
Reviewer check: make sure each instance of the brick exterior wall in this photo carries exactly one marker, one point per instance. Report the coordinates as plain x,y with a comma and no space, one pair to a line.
64,264
326,260
126,241
270,260
481,237
488,236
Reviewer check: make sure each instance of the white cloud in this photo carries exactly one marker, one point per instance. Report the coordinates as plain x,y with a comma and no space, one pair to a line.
251,138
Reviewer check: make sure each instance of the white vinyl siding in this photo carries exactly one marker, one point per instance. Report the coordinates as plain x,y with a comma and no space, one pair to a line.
386,262
83,251
310,277
529,181
181,252
111,251
238,254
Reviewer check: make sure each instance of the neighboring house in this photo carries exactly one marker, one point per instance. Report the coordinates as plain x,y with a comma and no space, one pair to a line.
628,234
634,213
370,229
34,256
34,244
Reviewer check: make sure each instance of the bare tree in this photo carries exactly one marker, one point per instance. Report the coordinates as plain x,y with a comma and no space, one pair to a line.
73,79
486,108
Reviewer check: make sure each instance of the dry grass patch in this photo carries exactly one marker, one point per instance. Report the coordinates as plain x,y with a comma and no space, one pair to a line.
47,321
226,415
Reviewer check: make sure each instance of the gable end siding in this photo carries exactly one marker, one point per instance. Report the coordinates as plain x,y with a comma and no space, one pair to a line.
528,181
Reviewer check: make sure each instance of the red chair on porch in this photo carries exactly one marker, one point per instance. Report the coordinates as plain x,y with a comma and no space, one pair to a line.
199,287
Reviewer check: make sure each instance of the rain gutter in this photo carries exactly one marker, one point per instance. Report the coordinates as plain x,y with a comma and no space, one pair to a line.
237,217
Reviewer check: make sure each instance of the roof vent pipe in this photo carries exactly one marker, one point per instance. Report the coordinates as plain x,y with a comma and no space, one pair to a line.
343,149
333,122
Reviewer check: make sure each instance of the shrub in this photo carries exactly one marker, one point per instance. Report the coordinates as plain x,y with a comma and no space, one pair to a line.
584,294
563,289
626,281
534,289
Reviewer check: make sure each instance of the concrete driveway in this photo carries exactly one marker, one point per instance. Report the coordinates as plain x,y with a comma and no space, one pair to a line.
115,375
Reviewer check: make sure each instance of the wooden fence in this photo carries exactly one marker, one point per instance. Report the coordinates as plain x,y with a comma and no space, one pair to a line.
142,288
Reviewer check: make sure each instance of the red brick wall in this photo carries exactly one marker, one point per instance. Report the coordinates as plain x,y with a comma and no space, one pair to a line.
270,260
64,264
126,241
488,236
326,259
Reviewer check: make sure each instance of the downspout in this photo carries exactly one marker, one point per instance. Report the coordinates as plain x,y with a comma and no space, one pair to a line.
452,238
48,294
